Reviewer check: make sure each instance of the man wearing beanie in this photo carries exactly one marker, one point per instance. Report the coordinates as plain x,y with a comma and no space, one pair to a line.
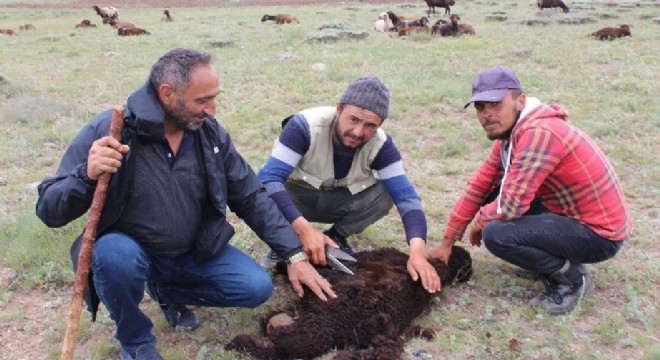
546,199
323,169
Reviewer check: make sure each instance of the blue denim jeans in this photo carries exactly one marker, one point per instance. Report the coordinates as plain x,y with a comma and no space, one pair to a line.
122,268
542,242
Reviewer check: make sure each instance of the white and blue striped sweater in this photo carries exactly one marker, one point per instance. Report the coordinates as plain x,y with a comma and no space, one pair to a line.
294,141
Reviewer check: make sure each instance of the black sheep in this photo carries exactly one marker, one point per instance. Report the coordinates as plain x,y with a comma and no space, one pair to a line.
440,3
374,308
547,4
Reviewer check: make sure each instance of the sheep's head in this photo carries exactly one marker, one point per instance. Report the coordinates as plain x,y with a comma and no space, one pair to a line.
454,18
392,16
625,27
265,17
451,2
383,16
424,21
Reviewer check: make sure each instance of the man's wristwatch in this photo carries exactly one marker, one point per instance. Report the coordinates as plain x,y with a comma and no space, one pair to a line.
299,256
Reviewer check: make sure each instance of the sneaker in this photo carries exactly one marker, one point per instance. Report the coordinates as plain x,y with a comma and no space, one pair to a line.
180,317
144,352
560,299
270,260
340,240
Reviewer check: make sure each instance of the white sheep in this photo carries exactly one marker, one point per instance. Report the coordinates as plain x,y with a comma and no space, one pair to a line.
107,12
383,23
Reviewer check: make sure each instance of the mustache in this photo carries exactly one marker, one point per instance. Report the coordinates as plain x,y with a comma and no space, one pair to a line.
491,122
360,138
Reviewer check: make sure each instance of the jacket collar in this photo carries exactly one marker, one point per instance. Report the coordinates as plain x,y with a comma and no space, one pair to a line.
145,114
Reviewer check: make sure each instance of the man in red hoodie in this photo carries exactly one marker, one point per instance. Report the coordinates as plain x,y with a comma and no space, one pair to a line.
546,198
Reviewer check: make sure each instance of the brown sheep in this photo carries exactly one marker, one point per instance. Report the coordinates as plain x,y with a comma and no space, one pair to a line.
423,21
407,30
398,19
107,12
118,24
548,4
440,3
280,18
166,16
9,32
369,318
453,28
27,27
611,33
85,24
131,31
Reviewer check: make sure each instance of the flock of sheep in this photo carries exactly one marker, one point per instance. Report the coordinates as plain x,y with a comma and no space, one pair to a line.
387,22
402,25
109,16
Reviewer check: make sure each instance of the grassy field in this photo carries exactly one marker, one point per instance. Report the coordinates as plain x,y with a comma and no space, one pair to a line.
57,78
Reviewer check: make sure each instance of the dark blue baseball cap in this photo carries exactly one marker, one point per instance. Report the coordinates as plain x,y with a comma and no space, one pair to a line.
492,84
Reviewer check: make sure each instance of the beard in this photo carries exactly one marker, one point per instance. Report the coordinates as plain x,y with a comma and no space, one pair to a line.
184,119
340,137
505,135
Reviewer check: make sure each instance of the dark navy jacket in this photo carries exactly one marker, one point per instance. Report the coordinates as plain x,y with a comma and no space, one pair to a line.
231,182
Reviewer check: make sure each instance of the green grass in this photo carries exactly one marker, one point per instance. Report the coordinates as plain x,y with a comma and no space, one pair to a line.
58,78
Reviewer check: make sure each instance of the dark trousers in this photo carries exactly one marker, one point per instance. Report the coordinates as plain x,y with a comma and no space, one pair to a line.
542,241
350,214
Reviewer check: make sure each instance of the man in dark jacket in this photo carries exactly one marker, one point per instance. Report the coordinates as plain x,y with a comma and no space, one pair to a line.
164,225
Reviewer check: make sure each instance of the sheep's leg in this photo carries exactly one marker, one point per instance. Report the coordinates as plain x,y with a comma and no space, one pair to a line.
256,346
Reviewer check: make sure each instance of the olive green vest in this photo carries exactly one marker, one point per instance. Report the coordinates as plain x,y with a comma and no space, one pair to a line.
316,167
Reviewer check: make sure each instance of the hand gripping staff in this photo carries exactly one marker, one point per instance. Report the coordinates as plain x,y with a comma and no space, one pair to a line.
85,255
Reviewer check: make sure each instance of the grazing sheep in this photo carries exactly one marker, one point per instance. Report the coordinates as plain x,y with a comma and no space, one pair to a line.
372,311
383,23
440,3
166,16
280,18
131,31
118,24
27,27
9,32
547,4
107,12
611,33
85,24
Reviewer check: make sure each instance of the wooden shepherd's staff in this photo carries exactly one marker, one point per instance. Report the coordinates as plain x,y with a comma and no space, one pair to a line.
85,255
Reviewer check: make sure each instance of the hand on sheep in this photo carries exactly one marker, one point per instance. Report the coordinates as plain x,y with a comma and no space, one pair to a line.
104,157
419,267
302,272
443,250
475,234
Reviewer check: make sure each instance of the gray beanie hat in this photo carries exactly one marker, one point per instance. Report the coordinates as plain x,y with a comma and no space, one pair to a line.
368,93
